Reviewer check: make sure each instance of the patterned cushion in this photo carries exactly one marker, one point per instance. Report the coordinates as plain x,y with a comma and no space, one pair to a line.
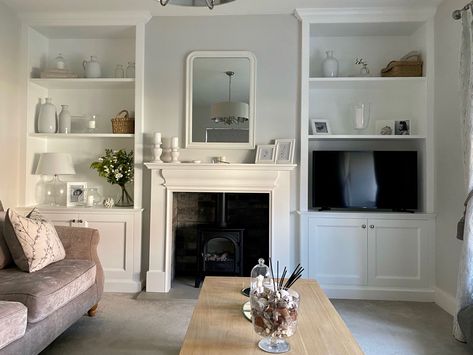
45,291
5,256
33,242
12,322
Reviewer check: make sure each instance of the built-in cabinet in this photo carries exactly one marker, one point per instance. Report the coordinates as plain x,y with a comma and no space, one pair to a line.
114,39
362,254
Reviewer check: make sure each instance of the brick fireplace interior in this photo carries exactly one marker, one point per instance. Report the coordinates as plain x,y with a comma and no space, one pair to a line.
196,210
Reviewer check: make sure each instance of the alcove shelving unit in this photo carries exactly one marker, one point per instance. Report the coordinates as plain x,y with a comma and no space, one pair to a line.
115,38
353,254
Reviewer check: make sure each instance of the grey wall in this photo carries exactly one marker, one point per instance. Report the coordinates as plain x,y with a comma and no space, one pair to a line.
275,41
9,107
448,153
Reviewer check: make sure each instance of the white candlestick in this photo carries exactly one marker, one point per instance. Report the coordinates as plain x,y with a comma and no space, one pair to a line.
174,142
157,138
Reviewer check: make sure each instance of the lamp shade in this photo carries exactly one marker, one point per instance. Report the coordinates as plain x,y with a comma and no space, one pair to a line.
55,164
227,110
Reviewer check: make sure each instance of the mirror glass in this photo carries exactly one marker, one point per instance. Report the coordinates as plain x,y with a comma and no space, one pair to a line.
220,104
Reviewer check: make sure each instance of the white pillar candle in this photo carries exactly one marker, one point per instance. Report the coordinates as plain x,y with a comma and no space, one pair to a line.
157,138
359,117
174,142
90,201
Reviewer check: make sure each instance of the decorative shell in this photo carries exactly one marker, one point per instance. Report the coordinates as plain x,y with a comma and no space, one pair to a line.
109,202
386,131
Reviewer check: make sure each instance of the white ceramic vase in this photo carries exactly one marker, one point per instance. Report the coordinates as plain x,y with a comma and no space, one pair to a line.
65,120
330,65
47,117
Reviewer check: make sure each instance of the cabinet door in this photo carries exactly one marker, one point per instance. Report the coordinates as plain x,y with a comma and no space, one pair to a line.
115,248
338,251
399,253
61,219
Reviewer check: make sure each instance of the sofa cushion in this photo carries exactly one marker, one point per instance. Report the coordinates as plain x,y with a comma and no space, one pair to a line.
33,242
48,289
12,322
5,256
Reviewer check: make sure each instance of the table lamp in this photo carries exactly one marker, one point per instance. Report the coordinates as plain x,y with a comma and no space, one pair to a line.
55,164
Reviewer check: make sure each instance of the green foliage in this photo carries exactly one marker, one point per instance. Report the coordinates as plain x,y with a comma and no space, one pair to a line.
116,166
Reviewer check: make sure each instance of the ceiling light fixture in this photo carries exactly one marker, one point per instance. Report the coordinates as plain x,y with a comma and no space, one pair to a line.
209,3
229,112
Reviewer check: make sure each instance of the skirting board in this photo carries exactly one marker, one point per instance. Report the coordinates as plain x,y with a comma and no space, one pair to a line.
378,293
124,286
445,301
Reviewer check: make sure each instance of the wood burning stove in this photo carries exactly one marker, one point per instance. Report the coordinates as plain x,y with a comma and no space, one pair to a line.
219,248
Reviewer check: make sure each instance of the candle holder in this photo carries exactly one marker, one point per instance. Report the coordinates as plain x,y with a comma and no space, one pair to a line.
175,155
361,116
157,153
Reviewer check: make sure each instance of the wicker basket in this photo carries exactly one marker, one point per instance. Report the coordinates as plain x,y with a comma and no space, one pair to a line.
408,66
123,123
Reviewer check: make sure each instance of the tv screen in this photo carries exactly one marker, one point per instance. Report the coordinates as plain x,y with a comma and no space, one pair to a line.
364,180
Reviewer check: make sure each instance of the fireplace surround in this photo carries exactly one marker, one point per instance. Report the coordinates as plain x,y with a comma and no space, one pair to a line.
239,178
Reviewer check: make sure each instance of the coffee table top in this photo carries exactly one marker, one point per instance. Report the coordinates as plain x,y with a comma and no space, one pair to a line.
219,327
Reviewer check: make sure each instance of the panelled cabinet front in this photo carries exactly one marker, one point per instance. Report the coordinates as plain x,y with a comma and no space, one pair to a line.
370,252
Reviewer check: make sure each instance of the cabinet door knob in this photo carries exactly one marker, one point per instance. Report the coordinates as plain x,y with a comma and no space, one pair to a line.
80,221
363,226
73,221
371,226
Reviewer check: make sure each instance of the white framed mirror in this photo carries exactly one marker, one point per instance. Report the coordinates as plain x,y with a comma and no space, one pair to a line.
220,100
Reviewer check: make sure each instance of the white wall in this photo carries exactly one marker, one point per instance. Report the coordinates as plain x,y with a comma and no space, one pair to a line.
448,152
274,39
9,113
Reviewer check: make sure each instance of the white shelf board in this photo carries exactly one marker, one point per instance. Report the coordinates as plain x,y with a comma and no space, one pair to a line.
363,137
367,78
351,82
83,83
81,135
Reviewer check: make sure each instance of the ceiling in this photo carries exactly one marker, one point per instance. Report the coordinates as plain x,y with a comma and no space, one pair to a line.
237,7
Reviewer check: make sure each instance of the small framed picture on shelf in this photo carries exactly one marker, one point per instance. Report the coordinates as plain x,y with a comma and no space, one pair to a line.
319,126
75,193
385,127
265,154
402,128
284,151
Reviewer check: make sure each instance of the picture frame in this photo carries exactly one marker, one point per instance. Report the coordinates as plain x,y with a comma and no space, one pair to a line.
320,126
75,193
385,127
284,151
265,154
402,128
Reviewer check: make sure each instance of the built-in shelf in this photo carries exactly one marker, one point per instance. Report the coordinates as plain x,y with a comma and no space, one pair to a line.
81,135
357,81
363,137
82,83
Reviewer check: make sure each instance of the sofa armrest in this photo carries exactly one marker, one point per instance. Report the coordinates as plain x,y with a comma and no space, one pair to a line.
81,243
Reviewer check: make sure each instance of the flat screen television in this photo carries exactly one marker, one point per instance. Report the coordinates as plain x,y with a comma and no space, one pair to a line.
378,180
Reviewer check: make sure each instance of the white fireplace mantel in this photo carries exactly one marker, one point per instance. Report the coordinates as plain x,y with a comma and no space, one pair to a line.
166,179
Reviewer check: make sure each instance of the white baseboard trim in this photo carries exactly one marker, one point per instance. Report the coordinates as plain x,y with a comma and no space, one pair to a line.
125,286
379,293
445,301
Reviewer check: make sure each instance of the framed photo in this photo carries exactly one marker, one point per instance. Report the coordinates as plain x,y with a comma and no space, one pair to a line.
265,154
284,151
402,128
385,127
76,193
319,126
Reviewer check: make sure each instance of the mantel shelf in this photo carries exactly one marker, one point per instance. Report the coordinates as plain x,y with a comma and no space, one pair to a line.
363,137
210,166
83,83
81,135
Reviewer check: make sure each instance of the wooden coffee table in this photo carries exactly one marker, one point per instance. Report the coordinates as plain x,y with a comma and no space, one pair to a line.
219,327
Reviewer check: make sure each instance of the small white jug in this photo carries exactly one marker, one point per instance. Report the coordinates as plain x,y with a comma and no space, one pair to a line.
92,68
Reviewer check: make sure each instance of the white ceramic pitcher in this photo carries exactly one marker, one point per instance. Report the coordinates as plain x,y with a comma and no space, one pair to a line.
92,68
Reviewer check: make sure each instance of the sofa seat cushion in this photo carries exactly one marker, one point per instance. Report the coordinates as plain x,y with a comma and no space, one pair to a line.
12,322
48,289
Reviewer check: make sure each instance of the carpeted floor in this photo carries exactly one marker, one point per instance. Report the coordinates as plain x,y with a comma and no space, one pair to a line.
156,324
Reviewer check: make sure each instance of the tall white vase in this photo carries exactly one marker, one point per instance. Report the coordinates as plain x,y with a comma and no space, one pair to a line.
65,120
330,65
47,117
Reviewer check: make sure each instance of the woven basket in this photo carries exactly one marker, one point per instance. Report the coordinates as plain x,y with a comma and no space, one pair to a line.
123,123
411,66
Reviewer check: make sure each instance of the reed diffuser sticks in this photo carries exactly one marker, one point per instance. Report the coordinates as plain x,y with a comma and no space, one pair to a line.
280,285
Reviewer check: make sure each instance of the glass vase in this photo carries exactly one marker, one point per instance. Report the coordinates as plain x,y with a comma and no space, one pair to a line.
124,199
